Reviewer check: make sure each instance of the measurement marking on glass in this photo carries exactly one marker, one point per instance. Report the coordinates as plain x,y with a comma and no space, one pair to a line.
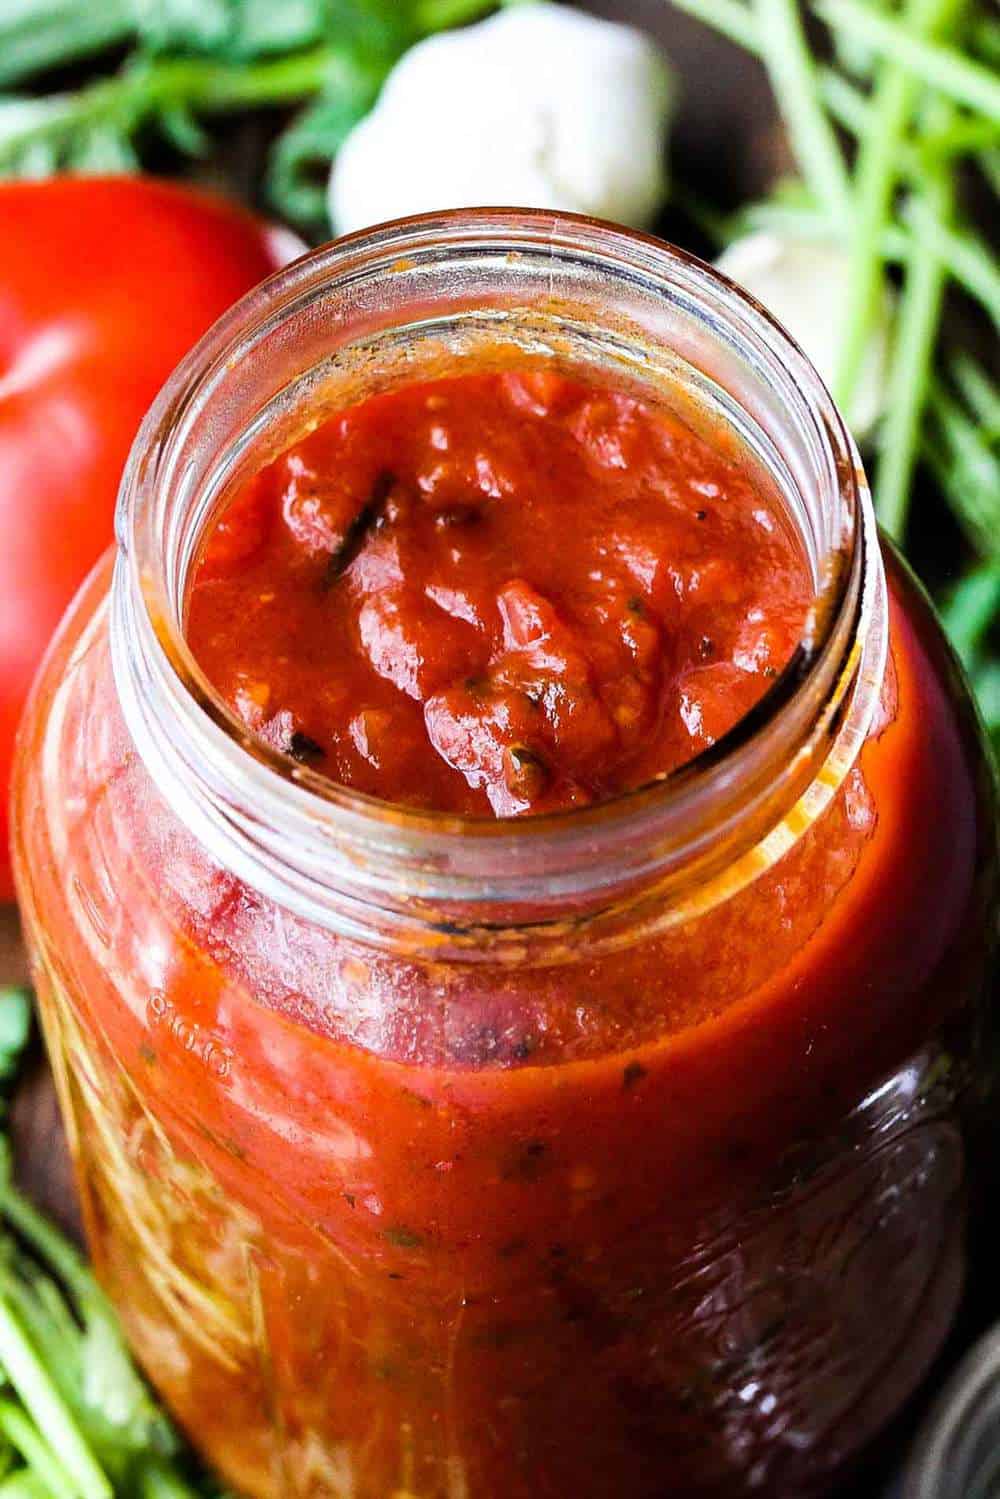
162,1015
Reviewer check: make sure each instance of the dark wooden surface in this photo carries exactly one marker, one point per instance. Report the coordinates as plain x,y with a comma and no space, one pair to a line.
726,145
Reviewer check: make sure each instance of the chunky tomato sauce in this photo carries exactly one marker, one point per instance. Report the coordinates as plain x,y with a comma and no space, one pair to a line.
499,593
382,1223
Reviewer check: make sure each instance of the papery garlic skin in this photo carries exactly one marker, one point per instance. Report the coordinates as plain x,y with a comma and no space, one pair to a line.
539,106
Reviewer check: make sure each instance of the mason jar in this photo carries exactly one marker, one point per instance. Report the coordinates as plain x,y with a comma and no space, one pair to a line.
634,1150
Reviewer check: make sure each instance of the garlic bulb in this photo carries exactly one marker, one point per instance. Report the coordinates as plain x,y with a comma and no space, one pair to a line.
539,106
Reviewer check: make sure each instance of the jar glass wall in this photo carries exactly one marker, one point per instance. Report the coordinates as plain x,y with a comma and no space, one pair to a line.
400,1152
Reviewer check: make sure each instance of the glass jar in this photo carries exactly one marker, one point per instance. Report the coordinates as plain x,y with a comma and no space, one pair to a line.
397,1152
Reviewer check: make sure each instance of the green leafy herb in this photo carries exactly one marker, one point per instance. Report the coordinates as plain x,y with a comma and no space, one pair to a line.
971,609
970,616
192,61
875,182
40,34
793,74
941,67
909,381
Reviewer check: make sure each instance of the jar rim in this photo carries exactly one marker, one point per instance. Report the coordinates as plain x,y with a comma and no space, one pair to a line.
152,658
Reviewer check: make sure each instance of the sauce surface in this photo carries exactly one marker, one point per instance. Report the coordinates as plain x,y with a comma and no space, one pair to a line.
499,593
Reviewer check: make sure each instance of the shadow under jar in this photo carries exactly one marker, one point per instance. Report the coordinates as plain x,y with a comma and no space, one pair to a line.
659,1256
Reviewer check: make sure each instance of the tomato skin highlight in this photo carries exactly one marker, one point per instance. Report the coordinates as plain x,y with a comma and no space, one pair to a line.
105,283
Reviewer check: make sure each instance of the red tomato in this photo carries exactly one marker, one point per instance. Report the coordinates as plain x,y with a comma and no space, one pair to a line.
104,285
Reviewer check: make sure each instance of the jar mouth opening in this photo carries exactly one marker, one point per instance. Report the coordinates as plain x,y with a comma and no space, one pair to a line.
832,597
683,808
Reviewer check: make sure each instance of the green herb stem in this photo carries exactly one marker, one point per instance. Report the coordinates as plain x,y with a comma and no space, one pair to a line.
917,323
24,1485
40,1457
919,311
971,610
986,685
974,514
845,101
967,258
848,105
852,110
52,1247
810,224
52,1416
980,393
942,67
876,175
963,137
793,75
204,85
960,455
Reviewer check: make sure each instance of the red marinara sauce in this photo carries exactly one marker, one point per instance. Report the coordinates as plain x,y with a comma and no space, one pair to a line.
499,593
385,1221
